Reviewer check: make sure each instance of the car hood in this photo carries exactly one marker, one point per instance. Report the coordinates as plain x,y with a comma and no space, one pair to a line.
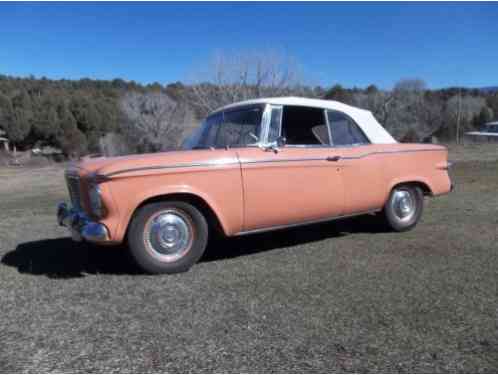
148,163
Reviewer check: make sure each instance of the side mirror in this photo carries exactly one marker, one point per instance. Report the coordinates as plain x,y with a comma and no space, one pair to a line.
281,141
254,136
274,146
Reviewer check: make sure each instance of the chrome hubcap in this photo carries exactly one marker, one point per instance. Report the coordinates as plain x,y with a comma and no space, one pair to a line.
168,235
403,204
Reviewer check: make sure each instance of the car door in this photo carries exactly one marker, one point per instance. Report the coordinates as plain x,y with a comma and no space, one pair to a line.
361,165
295,183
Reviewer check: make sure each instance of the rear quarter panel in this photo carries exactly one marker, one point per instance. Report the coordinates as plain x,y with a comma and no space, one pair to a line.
371,171
415,163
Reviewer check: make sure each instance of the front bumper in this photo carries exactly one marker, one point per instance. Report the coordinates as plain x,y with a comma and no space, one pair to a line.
81,227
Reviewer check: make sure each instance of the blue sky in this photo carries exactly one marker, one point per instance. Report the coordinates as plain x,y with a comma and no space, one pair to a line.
353,44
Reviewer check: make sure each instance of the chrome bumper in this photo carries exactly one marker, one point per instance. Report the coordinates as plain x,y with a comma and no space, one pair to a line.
82,228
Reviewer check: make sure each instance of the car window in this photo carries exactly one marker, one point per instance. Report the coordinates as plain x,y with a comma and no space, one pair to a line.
344,130
304,126
206,135
232,128
237,127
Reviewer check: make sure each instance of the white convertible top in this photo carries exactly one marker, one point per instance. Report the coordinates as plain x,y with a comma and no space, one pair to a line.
365,119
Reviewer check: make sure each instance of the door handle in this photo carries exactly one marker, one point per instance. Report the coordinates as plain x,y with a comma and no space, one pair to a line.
333,158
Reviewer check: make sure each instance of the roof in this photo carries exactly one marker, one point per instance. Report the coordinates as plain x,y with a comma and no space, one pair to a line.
486,134
364,118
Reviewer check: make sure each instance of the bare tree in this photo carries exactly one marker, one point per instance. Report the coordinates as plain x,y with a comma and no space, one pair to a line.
241,76
153,121
114,144
406,119
462,110
377,101
405,110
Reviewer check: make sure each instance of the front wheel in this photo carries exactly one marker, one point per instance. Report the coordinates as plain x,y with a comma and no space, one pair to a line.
404,207
167,237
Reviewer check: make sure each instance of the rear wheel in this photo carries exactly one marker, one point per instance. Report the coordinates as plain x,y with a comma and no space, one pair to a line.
404,207
167,237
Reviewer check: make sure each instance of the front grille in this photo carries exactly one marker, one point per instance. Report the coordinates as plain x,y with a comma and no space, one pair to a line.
73,186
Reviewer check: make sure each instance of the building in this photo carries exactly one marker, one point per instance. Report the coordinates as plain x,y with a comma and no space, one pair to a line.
4,141
488,132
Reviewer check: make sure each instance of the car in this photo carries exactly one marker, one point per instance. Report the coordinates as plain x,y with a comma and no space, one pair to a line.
252,166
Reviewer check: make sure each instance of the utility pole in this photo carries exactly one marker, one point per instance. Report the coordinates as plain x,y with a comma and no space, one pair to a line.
459,111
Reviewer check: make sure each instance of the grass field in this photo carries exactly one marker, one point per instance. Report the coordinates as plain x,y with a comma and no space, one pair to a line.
341,296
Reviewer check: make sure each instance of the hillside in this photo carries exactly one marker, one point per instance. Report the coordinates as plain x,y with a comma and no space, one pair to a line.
94,116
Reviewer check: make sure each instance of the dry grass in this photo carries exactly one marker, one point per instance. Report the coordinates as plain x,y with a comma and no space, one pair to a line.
343,296
473,152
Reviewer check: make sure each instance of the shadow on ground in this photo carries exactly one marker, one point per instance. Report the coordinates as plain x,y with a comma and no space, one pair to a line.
224,248
63,258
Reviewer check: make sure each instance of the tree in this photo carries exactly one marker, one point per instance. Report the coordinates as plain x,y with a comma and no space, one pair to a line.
407,111
461,110
376,101
20,128
78,115
371,89
484,116
153,120
71,140
46,123
84,112
15,116
339,93
241,76
6,111
492,103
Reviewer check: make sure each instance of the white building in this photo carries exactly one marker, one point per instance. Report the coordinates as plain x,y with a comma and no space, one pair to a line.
489,131
4,141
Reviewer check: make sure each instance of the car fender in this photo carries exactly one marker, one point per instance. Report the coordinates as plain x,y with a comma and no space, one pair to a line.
408,179
164,191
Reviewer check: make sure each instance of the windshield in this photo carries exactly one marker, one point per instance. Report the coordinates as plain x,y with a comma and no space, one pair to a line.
234,128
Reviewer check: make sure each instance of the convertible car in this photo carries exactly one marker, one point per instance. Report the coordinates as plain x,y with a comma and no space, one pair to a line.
252,166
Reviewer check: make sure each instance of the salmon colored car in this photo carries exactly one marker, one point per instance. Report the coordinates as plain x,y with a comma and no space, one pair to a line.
252,166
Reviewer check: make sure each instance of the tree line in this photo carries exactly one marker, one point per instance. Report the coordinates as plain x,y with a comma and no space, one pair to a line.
413,113
114,117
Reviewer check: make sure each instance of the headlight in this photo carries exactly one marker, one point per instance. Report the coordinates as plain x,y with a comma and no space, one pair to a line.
96,203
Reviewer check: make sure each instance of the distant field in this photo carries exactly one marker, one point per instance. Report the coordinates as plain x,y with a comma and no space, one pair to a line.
341,296
473,152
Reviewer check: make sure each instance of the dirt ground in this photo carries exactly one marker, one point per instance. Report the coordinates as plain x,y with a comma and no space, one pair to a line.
341,296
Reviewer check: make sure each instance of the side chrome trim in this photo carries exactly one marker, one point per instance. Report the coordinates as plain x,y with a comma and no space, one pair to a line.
303,223
262,161
174,166
218,163
391,152
361,156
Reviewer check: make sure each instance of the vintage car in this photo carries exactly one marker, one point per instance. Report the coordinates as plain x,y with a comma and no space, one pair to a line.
252,166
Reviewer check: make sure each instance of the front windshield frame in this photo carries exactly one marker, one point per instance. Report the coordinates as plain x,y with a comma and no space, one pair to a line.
197,139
